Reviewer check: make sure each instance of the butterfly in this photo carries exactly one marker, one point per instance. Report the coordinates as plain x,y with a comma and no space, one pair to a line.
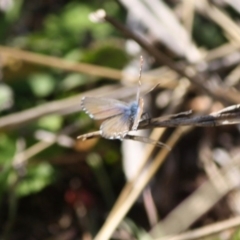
119,117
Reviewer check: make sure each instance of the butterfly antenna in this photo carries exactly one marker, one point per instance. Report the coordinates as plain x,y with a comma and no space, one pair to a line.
139,79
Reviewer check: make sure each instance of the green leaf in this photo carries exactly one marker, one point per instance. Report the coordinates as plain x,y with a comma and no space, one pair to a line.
51,122
74,55
42,84
14,12
73,80
106,55
236,235
4,176
7,148
75,17
37,178
6,96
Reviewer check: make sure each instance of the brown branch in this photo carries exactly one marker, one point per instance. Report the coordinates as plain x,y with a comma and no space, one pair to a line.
62,107
58,63
227,116
66,65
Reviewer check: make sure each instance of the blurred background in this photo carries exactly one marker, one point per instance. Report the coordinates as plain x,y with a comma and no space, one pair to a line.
53,186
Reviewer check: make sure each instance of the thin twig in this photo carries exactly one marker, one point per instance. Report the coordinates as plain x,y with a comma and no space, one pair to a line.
227,116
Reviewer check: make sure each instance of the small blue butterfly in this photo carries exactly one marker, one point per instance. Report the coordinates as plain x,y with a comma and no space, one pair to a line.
120,117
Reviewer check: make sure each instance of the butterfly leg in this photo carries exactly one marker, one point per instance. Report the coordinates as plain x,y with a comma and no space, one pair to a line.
146,140
90,135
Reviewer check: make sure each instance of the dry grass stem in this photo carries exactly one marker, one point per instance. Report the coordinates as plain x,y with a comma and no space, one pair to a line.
66,65
206,231
188,8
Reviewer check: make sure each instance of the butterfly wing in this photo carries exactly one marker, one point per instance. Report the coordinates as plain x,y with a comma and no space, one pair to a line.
116,127
101,108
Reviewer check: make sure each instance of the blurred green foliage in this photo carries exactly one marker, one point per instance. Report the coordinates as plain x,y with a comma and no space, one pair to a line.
236,235
38,177
52,123
7,150
67,33
106,55
42,84
206,33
